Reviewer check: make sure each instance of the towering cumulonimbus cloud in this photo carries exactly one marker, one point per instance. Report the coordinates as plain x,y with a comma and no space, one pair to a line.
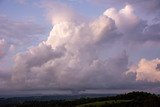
71,58
81,55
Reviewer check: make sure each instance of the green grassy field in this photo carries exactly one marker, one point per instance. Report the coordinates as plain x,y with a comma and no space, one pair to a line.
101,103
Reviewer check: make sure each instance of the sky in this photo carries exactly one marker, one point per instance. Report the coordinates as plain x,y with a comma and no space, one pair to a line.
79,46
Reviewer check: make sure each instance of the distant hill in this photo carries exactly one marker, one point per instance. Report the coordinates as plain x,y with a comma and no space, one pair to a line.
133,99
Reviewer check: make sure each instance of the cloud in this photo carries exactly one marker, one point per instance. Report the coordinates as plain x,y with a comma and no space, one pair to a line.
133,28
59,12
4,48
5,76
152,33
14,34
75,34
70,70
71,58
25,70
147,70
79,55
19,32
122,17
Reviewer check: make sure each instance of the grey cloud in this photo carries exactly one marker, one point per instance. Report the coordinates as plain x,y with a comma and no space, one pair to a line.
4,74
69,72
152,32
158,67
5,77
33,59
143,33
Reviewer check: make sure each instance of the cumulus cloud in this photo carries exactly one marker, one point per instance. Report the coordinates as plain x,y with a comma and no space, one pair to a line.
76,56
70,58
26,70
147,70
14,34
122,17
133,28
72,71
58,12
78,35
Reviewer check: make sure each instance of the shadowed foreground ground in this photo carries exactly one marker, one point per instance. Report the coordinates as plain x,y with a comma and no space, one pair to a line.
133,99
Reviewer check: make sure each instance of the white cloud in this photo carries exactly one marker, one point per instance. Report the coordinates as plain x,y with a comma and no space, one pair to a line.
134,29
59,12
71,58
125,18
72,34
147,70
76,56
